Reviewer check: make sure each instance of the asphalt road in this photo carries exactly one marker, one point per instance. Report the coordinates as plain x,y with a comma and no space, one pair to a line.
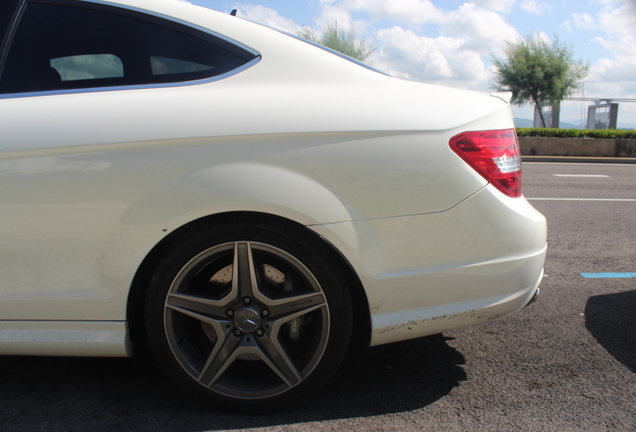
565,363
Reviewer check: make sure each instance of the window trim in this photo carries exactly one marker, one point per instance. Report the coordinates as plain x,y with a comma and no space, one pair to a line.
133,86
136,13
7,39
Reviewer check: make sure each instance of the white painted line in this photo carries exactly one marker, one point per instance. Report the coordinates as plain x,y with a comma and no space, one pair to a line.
580,175
583,199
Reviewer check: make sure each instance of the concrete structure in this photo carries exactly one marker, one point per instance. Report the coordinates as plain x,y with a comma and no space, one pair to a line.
602,115
551,115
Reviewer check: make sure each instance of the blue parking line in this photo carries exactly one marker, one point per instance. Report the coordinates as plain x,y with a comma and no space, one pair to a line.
608,275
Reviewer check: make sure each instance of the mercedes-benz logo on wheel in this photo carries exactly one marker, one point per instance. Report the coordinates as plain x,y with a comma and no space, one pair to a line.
247,320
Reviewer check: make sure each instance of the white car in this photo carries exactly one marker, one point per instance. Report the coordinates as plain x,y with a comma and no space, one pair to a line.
243,202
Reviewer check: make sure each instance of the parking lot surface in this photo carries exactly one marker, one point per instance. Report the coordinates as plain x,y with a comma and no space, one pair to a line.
565,363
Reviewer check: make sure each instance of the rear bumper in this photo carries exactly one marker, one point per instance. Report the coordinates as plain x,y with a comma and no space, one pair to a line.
534,297
431,320
424,274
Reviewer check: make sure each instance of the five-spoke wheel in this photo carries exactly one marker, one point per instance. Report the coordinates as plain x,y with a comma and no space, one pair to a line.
250,321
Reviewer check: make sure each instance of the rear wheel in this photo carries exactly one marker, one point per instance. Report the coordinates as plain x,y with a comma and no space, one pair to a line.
250,316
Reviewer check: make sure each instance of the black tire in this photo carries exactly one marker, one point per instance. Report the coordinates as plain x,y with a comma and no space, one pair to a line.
251,316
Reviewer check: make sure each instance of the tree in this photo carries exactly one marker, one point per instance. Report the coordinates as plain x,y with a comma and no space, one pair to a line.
539,71
343,41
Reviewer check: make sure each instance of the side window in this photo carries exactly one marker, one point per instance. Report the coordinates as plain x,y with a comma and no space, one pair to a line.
58,47
88,66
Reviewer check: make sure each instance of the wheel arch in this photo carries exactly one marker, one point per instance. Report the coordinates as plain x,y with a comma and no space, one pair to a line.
136,296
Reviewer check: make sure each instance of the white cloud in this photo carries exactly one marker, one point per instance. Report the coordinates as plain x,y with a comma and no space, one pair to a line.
435,60
536,7
413,56
267,16
543,36
614,77
583,22
482,30
495,5
332,14
619,20
580,22
408,11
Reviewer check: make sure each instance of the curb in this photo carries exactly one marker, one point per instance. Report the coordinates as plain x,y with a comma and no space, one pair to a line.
579,159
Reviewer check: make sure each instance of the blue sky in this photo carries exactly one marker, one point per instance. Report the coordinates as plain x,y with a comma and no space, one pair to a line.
450,42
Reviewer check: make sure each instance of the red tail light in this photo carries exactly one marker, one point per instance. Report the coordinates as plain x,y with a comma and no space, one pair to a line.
493,154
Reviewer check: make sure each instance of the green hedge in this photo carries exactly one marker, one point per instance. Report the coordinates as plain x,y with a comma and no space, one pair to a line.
577,133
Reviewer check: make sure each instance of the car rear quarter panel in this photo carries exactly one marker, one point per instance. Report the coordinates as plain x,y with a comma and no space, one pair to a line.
428,273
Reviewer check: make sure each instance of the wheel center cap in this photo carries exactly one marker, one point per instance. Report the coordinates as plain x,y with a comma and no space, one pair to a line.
247,320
